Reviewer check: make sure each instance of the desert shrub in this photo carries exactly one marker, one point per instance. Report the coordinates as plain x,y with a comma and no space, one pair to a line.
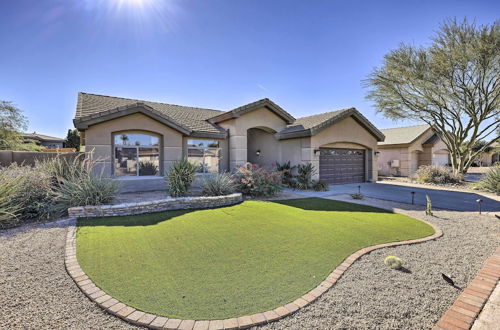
286,170
437,175
180,177
219,184
357,196
85,190
30,191
304,176
319,185
8,210
258,181
490,181
148,168
393,262
61,167
79,184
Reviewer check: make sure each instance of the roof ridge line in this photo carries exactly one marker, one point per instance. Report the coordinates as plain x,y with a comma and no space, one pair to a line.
142,101
405,126
326,112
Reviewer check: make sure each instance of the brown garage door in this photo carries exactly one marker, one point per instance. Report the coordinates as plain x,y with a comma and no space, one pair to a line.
339,166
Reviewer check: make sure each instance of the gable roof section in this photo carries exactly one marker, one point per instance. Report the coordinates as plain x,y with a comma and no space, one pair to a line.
237,112
92,109
403,135
312,125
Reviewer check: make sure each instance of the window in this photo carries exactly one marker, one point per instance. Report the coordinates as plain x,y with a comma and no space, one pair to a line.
136,154
204,153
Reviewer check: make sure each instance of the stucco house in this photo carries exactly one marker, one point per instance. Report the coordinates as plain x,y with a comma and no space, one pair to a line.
130,138
492,157
50,142
406,148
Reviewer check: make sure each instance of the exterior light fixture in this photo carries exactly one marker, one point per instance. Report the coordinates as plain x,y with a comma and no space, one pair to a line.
479,202
377,153
412,197
257,152
316,151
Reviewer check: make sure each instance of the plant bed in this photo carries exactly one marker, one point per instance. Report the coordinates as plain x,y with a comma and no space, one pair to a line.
231,261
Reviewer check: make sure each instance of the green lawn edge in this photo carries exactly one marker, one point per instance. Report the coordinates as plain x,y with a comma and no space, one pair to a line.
231,261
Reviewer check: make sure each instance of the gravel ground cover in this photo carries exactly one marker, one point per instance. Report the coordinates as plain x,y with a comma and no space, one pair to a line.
372,296
36,292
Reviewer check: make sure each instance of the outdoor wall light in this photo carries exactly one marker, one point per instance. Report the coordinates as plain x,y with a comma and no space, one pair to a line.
316,151
257,152
377,153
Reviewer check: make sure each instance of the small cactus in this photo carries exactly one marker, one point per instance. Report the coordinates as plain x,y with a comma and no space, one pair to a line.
393,262
428,210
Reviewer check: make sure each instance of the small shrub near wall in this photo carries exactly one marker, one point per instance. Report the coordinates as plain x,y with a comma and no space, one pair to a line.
180,177
259,182
437,175
220,184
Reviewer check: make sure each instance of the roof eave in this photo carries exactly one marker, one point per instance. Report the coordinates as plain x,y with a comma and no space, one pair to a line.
360,119
294,135
85,122
236,113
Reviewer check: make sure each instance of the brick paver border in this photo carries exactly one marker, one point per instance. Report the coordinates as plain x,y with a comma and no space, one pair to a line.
465,310
134,316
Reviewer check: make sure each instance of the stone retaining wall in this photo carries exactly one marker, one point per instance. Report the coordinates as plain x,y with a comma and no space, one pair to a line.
167,204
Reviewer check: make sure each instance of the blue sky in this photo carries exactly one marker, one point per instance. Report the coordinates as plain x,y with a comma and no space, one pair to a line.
307,56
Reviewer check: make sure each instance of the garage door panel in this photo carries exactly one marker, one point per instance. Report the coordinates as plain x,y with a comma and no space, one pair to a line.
340,166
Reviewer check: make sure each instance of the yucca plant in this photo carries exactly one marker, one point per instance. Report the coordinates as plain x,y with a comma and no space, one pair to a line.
180,177
219,184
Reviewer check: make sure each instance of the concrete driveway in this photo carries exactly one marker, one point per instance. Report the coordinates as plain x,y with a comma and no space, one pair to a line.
444,199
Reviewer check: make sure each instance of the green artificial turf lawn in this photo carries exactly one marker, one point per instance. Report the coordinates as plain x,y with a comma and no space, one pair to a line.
231,261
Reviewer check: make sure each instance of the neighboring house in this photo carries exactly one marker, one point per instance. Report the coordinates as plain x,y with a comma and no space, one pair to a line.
492,157
406,148
125,135
49,142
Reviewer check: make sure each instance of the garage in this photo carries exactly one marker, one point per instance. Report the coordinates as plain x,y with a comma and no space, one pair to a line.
341,166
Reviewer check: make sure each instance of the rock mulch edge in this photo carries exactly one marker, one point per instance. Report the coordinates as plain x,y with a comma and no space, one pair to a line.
137,317
465,310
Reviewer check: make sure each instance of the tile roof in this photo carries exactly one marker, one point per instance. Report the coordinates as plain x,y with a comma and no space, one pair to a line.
311,125
202,122
194,118
403,135
41,137
235,113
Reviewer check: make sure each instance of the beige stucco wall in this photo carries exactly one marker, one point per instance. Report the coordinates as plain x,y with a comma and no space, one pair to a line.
236,150
266,144
99,139
238,127
345,134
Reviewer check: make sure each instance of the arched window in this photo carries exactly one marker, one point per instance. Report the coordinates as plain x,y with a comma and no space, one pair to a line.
136,154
